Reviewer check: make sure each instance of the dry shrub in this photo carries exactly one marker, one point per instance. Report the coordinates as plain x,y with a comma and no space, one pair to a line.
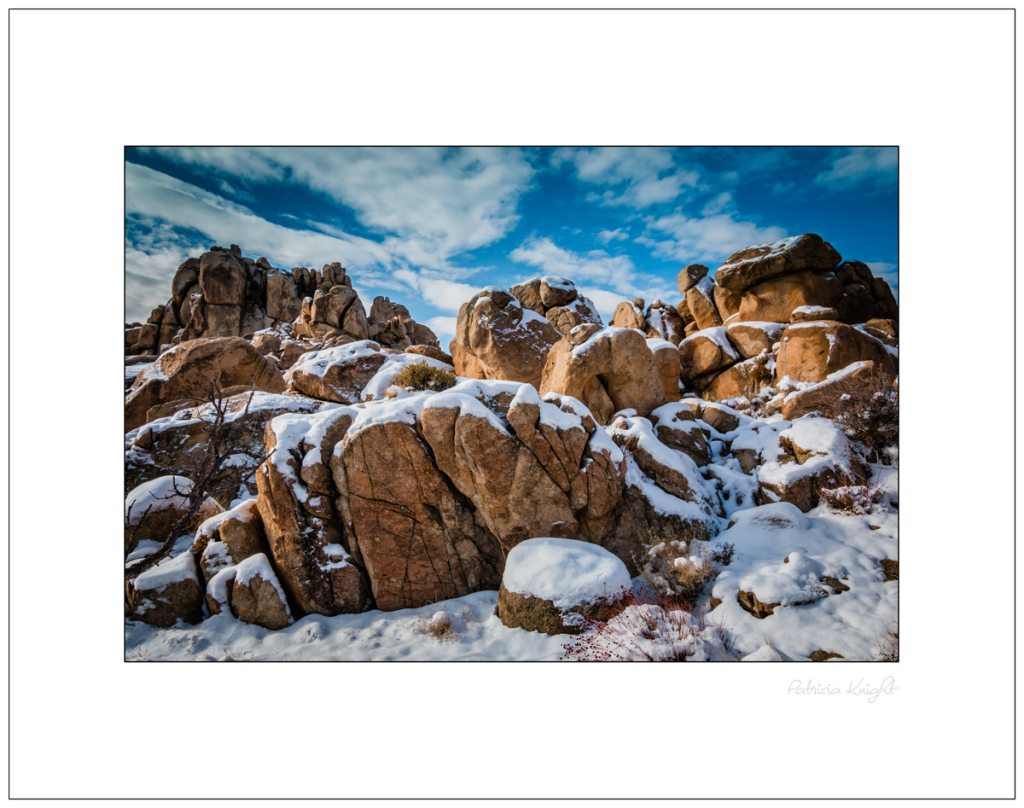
868,411
681,569
651,628
889,644
421,376
861,499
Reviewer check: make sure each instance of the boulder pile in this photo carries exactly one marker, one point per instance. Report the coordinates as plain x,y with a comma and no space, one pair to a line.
223,294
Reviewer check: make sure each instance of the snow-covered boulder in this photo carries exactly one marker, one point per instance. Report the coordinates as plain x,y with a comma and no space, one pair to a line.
337,374
677,428
496,337
152,509
608,369
257,596
753,265
700,298
230,537
815,454
705,352
168,592
550,585
813,351
189,369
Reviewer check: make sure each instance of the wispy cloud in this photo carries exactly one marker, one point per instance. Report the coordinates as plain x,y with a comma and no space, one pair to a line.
429,203
862,168
643,176
704,239
619,234
596,266
444,294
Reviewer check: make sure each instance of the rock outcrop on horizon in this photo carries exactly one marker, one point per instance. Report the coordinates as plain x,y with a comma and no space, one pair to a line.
223,294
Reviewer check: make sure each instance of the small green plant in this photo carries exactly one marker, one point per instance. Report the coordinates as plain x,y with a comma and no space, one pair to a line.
421,376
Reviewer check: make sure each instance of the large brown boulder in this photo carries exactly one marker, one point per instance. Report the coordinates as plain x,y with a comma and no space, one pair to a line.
555,291
676,427
802,402
727,302
257,596
496,337
336,374
700,299
341,308
745,378
502,476
168,592
222,279
222,321
550,585
754,265
705,352
666,360
565,318
528,293
689,276
189,369
775,300
629,315
185,278
414,532
283,300
152,509
307,536
607,369
812,351
751,339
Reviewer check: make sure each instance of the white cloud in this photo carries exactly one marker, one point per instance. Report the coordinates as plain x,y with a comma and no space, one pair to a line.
151,194
718,204
710,238
432,203
444,327
444,294
619,234
638,168
608,274
862,166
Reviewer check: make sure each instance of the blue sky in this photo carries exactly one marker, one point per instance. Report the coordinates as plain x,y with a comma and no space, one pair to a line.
430,227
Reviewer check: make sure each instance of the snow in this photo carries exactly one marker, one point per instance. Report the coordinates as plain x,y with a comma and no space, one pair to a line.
810,309
657,344
775,248
706,286
773,330
556,282
600,441
404,410
568,402
664,503
565,571
607,331
167,572
217,588
157,495
476,634
466,405
550,414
